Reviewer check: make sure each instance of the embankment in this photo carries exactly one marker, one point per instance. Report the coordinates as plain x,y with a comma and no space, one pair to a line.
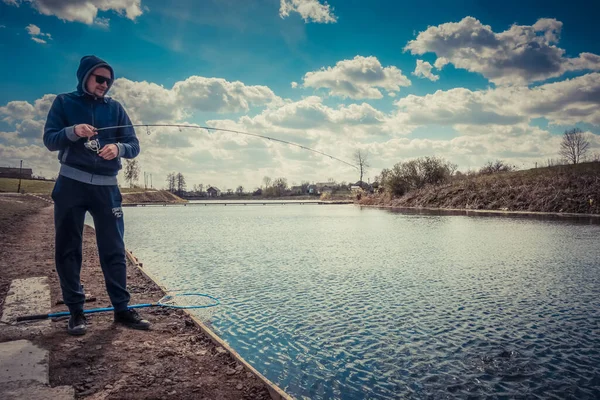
557,189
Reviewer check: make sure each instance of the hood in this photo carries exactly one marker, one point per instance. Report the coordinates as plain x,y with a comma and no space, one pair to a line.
86,66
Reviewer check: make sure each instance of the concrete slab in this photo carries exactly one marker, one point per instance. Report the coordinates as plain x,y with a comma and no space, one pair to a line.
36,391
21,360
25,297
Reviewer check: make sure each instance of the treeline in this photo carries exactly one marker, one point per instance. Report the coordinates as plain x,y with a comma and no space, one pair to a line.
415,174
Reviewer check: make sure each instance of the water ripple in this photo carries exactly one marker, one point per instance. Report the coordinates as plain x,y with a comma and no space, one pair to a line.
339,302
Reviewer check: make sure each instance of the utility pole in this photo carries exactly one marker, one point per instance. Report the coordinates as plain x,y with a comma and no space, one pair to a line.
20,171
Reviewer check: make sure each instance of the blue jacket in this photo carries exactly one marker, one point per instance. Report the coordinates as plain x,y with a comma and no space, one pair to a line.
82,107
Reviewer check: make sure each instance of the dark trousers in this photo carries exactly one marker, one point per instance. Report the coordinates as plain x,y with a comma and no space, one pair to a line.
71,201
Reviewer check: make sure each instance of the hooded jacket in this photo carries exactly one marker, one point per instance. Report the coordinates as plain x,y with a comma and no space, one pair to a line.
82,107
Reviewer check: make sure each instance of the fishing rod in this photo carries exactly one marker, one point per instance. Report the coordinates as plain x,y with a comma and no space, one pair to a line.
96,147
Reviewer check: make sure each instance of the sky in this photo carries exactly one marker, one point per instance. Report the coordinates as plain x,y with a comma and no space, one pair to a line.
468,81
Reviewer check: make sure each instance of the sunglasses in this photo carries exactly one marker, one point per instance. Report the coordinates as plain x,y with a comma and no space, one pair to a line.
102,79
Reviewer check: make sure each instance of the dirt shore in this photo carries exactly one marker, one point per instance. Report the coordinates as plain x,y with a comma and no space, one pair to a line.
174,360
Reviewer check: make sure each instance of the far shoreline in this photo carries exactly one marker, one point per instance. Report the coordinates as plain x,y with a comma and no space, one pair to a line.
466,211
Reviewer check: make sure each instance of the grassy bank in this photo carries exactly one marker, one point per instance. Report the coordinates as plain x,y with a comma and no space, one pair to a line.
563,188
11,185
130,195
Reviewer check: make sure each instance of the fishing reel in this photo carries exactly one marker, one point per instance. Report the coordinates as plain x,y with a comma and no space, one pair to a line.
93,145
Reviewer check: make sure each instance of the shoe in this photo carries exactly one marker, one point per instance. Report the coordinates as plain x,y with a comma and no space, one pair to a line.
131,319
77,324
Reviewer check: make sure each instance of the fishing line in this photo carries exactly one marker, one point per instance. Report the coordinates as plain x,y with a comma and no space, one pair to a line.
96,147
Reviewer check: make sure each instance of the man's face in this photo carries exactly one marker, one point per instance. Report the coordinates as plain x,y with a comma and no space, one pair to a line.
92,84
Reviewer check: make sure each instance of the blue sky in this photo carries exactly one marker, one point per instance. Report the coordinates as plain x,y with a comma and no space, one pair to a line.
353,63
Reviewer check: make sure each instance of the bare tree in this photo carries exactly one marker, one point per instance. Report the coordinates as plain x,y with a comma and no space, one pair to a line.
171,182
361,158
495,167
267,181
132,171
574,145
180,182
239,190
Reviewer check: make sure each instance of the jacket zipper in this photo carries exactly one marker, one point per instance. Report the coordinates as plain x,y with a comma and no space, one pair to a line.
96,156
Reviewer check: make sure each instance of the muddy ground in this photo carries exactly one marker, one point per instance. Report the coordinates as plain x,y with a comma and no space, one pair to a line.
174,360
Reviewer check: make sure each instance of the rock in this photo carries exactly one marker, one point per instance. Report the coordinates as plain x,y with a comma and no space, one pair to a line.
221,350
215,368
99,347
168,381
239,386
108,387
230,371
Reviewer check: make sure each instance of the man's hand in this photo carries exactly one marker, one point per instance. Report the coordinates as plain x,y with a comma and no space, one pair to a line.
85,130
109,151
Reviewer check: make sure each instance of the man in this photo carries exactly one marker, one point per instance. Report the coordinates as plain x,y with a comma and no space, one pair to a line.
87,181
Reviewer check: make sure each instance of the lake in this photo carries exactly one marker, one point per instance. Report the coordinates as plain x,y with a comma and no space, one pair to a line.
338,301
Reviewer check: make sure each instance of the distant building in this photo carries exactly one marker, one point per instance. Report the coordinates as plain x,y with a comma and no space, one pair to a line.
213,192
26,173
296,190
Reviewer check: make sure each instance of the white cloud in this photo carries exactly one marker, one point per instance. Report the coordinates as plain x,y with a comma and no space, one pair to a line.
217,94
13,138
294,85
28,119
423,70
17,110
84,11
103,23
149,102
455,106
33,30
566,102
42,161
358,78
31,129
309,10
36,34
309,116
519,55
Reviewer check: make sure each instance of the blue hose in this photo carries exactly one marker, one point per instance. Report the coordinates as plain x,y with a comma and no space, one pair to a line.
161,303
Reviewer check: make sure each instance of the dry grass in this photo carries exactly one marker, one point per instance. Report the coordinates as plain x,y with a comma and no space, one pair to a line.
27,185
565,188
154,196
